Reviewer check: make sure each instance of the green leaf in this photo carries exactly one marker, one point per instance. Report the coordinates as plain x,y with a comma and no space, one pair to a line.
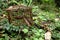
41,39
35,38
40,30
25,30
46,0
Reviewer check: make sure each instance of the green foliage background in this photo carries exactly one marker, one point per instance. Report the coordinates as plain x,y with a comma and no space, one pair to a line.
43,11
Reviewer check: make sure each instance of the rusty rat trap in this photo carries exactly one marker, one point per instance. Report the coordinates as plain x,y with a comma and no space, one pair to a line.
20,15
